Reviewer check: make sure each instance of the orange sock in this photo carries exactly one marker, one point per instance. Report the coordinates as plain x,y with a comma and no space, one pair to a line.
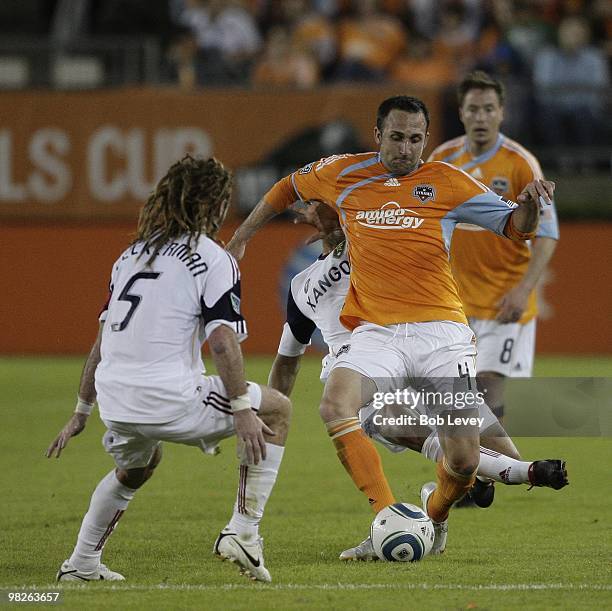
451,487
362,461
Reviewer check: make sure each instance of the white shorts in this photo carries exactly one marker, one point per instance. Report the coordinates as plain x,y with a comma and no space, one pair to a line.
203,425
326,366
506,349
327,363
438,355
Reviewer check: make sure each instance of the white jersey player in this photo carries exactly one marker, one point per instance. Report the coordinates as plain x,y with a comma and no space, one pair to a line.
156,319
171,290
314,300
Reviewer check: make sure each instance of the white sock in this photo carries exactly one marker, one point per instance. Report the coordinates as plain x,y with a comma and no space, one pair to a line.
502,468
492,465
108,502
254,488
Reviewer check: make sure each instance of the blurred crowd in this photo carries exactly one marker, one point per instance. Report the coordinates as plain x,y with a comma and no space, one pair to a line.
559,50
301,43
553,55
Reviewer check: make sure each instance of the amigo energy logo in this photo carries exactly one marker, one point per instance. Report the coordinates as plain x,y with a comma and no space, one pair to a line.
390,216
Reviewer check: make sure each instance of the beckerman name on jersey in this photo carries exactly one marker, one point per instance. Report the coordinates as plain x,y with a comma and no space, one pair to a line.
181,251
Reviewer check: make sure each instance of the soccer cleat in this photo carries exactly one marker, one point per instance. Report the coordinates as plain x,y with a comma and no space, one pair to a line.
247,554
551,473
364,551
440,528
68,572
481,494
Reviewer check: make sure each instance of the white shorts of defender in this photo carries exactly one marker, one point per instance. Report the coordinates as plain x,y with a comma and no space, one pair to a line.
506,349
327,363
395,356
202,425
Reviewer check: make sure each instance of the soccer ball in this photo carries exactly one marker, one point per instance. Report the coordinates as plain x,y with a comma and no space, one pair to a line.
402,533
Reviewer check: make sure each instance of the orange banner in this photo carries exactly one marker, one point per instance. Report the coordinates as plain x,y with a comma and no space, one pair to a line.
56,276
96,155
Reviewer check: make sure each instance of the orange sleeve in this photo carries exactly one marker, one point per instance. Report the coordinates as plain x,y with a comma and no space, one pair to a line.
464,187
316,180
281,195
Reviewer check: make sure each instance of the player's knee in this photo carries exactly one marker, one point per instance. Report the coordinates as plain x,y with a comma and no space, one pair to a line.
331,409
390,431
463,465
346,391
283,407
135,478
463,458
327,410
275,409
132,478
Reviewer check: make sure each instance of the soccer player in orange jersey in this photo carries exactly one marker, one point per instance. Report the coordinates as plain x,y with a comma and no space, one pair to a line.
408,324
497,278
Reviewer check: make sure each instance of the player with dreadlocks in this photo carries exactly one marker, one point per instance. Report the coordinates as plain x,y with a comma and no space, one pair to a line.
192,198
172,289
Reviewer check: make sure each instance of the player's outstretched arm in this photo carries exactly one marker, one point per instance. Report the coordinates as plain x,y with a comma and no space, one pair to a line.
227,355
85,401
284,373
259,216
513,303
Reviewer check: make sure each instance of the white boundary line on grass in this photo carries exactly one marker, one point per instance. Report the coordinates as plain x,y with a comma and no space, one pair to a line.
509,587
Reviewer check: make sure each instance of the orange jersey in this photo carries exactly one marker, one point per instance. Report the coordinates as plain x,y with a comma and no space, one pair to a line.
486,266
398,230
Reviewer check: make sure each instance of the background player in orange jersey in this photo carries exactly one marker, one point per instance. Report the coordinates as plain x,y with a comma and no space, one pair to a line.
409,328
497,278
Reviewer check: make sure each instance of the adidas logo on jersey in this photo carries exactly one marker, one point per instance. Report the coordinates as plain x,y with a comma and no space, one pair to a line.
476,173
390,216
392,182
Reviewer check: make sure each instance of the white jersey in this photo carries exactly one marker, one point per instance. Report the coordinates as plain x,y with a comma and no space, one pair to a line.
315,298
155,322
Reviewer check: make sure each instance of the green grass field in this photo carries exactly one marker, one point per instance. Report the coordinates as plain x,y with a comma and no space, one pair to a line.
535,550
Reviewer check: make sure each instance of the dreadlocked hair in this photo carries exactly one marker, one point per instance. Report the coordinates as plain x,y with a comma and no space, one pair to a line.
191,199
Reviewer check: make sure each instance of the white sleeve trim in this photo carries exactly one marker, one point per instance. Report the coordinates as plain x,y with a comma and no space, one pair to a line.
239,328
289,346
